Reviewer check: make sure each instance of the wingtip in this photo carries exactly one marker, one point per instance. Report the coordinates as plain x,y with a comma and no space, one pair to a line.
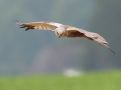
21,25
18,22
112,51
107,46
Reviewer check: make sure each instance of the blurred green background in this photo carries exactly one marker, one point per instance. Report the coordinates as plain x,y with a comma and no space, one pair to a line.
41,52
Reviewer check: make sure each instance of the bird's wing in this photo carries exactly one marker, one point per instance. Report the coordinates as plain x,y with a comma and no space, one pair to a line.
77,32
40,25
99,39
74,32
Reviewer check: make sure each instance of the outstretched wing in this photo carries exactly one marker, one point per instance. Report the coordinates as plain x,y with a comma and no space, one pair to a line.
77,32
39,25
99,39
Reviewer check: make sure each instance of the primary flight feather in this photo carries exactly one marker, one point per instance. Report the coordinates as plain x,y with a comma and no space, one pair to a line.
62,30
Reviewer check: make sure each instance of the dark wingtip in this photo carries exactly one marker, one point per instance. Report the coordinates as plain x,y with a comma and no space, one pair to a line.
22,25
112,51
106,44
26,29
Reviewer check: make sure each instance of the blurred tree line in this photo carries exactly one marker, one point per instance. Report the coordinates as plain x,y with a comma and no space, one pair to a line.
18,49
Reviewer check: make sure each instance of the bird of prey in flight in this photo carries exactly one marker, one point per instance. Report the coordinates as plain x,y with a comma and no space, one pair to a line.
62,30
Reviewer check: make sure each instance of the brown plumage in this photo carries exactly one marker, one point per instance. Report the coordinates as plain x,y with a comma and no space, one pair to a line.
66,31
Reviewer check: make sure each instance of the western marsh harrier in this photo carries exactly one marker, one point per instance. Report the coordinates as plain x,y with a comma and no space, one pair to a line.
66,31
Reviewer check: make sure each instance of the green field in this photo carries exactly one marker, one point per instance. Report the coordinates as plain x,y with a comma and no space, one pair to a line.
89,81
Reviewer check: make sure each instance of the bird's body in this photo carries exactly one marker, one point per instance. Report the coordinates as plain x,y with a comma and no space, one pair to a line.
62,30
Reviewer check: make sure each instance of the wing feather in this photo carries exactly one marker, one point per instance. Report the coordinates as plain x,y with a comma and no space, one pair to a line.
77,32
88,35
74,32
39,25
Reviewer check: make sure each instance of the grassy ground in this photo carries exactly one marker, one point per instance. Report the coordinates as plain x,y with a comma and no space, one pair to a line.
94,81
